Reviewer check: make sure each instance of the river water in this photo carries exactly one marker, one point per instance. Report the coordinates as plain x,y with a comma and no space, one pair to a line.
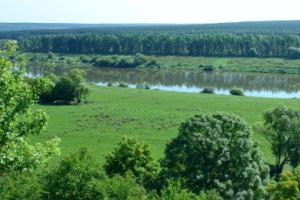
253,84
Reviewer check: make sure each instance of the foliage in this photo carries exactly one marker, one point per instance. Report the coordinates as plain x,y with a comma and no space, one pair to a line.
174,191
17,119
207,67
69,88
163,44
287,188
40,86
79,176
131,156
294,53
282,130
208,91
122,84
216,152
71,179
236,92
19,186
143,86
118,188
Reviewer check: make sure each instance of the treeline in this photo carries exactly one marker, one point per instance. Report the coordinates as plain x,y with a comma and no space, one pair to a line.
248,45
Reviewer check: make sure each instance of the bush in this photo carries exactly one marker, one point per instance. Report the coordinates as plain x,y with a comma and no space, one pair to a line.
174,191
69,88
123,84
216,152
207,67
140,59
110,84
50,55
131,156
208,91
143,86
288,186
236,92
117,188
72,178
20,185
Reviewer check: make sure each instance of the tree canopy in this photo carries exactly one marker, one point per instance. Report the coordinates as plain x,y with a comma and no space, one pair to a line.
216,152
17,118
283,131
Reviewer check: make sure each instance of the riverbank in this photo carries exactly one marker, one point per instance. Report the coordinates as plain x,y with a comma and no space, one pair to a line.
152,116
238,64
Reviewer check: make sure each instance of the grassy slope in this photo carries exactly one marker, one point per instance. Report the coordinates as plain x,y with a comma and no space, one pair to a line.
266,65
152,116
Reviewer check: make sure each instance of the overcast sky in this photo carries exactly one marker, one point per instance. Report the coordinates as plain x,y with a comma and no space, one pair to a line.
147,11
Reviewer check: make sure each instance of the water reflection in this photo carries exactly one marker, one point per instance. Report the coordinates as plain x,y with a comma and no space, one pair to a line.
253,84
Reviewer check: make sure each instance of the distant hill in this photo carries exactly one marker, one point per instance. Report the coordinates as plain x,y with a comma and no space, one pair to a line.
7,27
56,28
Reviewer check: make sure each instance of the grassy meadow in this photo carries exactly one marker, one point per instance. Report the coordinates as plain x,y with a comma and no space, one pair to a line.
150,115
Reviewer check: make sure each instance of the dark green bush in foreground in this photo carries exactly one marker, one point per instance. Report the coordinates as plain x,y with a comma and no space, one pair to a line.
236,92
19,186
133,157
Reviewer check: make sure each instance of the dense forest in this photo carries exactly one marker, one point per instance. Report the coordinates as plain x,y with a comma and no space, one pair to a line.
217,44
249,39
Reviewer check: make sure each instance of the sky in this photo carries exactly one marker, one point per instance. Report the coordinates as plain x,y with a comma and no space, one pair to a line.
147,11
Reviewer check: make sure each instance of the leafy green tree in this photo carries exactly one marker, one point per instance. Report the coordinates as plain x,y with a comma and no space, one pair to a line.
118,188
81,90
131,156
71,179
287,188
174,192
71,87
19,186
17,118
216,152
283,132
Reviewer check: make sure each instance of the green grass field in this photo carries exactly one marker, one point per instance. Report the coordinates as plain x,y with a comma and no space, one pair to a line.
150,115
263,65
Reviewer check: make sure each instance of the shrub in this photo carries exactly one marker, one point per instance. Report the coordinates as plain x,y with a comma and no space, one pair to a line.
69,88
288,186
131,156
123,84
143,86
140,59
50,55
20,185
117,188
207,67
174,191
72,178
208,91
236,92
216,152
110,84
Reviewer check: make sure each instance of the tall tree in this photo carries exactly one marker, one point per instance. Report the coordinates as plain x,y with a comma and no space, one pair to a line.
216,152
17,118
283,132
